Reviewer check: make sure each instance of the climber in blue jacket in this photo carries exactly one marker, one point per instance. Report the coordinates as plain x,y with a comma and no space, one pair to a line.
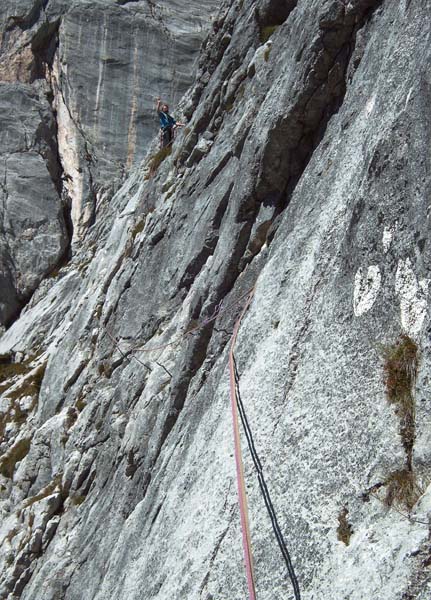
167,123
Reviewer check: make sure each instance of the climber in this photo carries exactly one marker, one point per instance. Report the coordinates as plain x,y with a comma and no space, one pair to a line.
167,123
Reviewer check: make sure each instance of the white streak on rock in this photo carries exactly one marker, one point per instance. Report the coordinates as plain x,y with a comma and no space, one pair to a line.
413,295
68,149
102,63
367,286
131,136
370,105
408,97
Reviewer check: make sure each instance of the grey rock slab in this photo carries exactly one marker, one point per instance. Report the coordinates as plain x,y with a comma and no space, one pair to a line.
133,412
33,231
132,54
33,228
88,123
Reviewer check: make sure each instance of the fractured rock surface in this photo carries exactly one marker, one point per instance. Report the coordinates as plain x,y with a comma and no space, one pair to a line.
77,88
33,234
304,174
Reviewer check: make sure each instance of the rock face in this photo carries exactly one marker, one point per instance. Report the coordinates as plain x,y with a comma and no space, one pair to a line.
77,87
303,175
33,234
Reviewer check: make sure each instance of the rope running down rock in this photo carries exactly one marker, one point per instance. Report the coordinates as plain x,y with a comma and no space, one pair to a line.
238,407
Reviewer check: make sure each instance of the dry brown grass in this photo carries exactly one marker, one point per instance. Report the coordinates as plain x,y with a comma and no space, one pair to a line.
344,529
400,369
402,489
54,485
138,227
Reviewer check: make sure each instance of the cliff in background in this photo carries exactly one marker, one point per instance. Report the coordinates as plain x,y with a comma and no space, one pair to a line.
304,172
77,83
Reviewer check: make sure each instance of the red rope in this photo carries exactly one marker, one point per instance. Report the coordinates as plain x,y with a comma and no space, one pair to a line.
242,494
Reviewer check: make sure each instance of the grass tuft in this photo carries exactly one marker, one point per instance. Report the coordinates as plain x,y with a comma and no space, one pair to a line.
401,363
400,370
402,489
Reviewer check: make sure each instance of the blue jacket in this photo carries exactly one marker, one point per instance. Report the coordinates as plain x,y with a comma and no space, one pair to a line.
166,120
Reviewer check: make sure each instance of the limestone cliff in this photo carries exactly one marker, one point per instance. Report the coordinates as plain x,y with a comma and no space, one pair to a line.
77,83
303,173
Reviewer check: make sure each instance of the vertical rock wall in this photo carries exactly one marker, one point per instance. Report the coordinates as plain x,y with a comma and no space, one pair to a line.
78,83
305,175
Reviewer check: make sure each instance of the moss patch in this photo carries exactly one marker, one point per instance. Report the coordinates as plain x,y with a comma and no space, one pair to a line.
71,417
82,267
266,32
240,92
138,227
54,273
229,106
77,500
344,529
170,192
10,371
5,359
81,403
30,386
98,311
401,363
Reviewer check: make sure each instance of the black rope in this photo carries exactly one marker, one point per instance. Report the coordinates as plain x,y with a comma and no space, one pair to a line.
264,488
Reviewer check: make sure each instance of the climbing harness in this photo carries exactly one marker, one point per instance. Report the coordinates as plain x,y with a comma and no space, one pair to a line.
171,141
238,407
